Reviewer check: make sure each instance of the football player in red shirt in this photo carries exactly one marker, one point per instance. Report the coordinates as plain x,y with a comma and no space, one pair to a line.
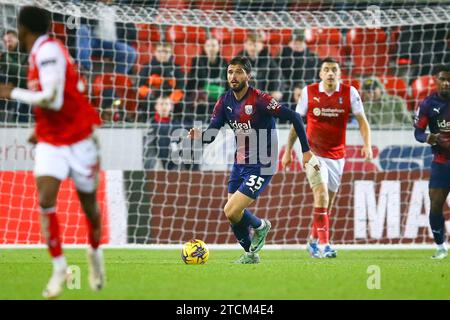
327,106
66,147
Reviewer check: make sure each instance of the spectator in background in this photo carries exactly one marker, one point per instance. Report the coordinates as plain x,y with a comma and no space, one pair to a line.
158,143
206,80
266,74
106,39
294,97
161,74
13,69
384,111
297,63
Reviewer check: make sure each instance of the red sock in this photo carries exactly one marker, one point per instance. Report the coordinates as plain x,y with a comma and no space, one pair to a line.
53,241
314,233
321,224
95,243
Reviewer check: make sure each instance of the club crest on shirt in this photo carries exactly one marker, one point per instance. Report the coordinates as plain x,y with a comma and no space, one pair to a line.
248,109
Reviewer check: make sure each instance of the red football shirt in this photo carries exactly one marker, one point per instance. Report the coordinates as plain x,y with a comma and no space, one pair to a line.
327,117
75,119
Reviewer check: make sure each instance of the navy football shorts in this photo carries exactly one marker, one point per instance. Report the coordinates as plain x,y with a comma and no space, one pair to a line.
439,176
248,180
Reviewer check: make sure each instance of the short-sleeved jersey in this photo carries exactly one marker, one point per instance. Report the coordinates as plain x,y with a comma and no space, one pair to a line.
253,114
76,119
434,112
327,117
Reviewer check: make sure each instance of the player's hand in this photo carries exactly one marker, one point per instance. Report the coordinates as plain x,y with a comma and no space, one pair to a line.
5,91
433,138
195,134
33,139
287,159
367,153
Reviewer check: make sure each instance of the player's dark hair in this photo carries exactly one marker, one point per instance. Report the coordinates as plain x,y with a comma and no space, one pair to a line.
35,19
328,60
443,68
242,61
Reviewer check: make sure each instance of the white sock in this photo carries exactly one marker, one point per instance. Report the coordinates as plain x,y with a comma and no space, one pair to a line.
59,263
263,224
442,246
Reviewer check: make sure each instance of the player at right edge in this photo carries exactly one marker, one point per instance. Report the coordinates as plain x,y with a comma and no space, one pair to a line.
434,113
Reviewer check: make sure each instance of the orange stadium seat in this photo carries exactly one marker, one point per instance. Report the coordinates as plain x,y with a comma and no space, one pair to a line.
422,87
325,42
395,86
368,50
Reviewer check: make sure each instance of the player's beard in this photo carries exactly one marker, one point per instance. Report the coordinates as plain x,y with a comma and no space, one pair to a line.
239,87
445,94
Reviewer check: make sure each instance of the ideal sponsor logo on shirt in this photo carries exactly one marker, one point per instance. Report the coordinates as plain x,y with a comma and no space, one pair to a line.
443,124
241,127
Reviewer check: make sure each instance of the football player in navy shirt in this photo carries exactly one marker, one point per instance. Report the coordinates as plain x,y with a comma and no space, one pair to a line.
251,114
434,112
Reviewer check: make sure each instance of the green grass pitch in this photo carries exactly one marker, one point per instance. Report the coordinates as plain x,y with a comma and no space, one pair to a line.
282,274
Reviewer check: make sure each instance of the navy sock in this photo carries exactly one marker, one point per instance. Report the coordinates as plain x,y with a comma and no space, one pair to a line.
437,224
248,219
242,234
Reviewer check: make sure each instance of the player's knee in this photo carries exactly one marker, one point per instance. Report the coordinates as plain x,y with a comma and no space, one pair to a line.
230,212
321,198
47,200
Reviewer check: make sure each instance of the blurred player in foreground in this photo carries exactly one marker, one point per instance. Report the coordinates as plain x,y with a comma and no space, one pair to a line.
250,113
434,112
327,106
65,124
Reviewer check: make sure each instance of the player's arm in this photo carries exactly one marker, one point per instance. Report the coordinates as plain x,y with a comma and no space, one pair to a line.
364,127
420,125
52,69
217,122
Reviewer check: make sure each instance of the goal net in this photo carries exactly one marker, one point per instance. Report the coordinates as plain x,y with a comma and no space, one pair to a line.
154,69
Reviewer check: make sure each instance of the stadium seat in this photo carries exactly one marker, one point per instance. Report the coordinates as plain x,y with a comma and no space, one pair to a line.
186,34
58,30
173,4
325,42
123,86
229,35
395,86
351,82
422,87
184,52
276,39
368,51
148,32
231,41
214,5
355,161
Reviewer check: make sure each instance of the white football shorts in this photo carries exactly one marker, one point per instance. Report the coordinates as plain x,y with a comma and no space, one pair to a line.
331,171
79,161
